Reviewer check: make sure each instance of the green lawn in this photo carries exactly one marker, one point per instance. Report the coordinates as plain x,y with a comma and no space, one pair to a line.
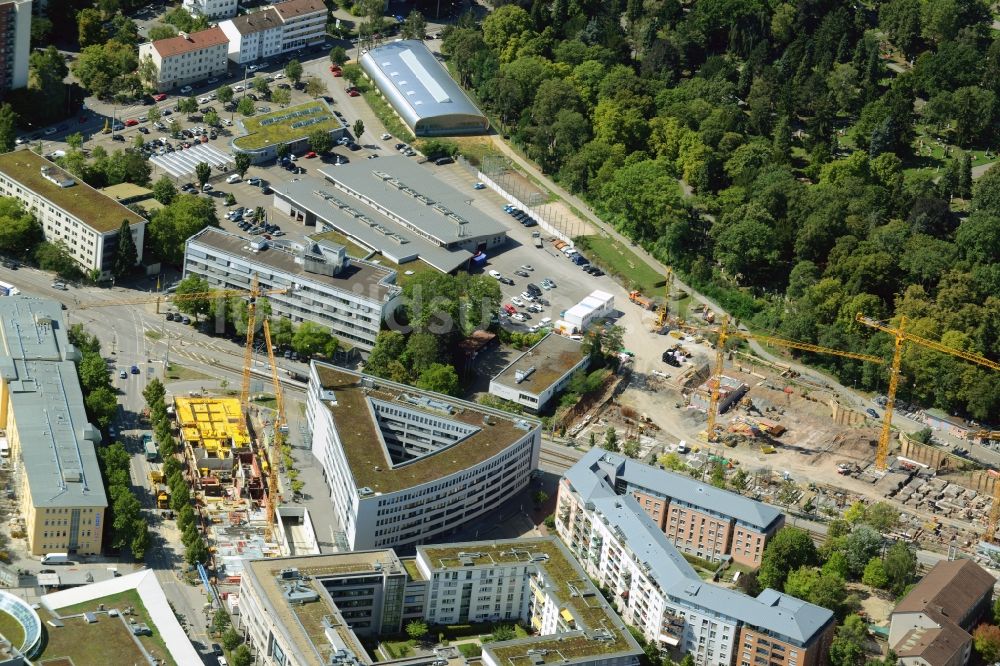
622,262
183,373
107,641
11,629
414,268
385,114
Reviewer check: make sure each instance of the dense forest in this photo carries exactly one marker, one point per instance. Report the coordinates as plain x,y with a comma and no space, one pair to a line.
801,161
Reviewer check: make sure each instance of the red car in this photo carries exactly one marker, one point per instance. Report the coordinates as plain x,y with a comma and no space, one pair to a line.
353,92
509,309
131,122
310,155
334,68
337,72
159,97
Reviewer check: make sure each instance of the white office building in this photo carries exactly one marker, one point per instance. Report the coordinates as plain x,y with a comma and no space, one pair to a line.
274,30
15,29
186,58
85,221
212,9
350,298
537,375
405,465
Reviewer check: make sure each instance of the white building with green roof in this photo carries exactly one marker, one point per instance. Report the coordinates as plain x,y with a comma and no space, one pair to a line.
262,135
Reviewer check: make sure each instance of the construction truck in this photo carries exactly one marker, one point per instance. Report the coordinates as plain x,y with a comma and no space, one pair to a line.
155,475
641,301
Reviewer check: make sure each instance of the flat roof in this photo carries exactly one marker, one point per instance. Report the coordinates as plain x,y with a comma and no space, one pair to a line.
412,192
360,435
98,211
376,281
550,359
322,200
288,124
302,624
565,580
419,87
772,610
57,441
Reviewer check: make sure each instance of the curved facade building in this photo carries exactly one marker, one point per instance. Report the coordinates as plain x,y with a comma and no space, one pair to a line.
421,91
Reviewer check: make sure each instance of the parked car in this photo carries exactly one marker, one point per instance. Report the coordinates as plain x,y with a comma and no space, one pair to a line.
479,186
122,374
159,97
186,90
521,273
506,280
495,275
872,413
517,301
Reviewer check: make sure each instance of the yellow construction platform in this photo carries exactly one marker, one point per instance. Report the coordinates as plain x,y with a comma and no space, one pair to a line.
214,424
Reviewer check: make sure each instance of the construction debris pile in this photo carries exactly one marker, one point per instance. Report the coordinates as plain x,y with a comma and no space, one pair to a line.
945,499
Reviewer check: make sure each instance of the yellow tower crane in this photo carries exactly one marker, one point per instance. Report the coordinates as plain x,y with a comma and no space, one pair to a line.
724,333
661,316
280,428
900,336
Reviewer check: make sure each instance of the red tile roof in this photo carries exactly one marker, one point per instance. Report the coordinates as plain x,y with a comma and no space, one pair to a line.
295,8
194,41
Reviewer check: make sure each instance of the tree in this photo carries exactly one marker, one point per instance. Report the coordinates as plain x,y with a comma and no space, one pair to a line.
861,545
246,107
293,70
220,621
900,566
164,190
140,540
740,481
158,32
610,440
848,646
197,552
171,226
506,632
504,25
231,639
185,297
389,346
242,656
102,406
359,128
127,511
261,85
242,162
212,119
203,171
282,331
154,393
283,150
8,128
338,55
20,232
790,549
281,96
187,105
440,378
56,257
874,574
93,372
224,94
126,255
415,26
986,639
315,87
320,141
90,28
311,339
416,629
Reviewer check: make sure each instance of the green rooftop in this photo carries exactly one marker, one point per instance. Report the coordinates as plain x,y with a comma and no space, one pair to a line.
279,126
98,211
361,438
562,578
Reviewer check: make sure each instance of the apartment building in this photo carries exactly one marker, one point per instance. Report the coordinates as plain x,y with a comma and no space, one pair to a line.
310,611
348,297
45,425
404,465
186,58
303,23
698,518
656,591
212,9
71,212
253,36
15,36
277,29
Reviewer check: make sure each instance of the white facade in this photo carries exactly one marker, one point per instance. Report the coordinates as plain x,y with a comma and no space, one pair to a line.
212,9
186,58
500,592
538,374
412,512
17,38
595,306
350,305
303,23
254,36
86,229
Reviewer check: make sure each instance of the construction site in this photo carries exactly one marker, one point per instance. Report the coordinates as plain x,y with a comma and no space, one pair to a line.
803,443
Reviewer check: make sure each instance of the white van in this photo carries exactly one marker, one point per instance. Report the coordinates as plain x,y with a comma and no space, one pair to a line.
233,179
545,321
56,558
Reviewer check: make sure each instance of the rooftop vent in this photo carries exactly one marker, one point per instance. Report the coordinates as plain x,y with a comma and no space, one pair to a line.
521,375
72,476
57,176
299,593
365,491
290,574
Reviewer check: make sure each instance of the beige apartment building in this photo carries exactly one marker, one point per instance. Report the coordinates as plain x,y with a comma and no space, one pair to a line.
45,425
186,58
